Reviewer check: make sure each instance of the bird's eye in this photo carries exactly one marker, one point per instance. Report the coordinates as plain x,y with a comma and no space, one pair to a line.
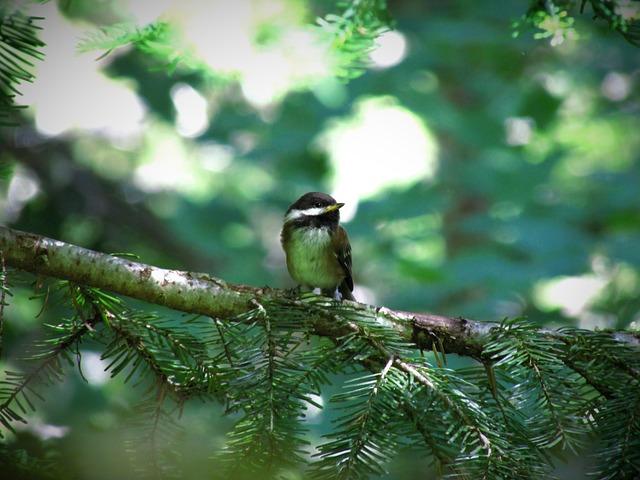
318,205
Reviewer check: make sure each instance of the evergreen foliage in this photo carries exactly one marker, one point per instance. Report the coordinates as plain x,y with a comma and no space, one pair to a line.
353,34
111,37
349,36
554,19
19,43
532,394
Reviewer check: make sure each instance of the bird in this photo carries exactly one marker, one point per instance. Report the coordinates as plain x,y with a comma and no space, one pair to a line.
317,247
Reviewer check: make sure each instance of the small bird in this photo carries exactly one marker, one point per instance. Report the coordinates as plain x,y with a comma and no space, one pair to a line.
317,246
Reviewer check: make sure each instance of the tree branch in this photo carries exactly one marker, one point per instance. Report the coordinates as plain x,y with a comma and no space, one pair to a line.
202,294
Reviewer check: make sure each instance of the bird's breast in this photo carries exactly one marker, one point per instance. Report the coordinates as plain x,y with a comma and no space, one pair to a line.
310,258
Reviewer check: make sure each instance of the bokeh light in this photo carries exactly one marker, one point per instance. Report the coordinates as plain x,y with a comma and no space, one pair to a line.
381,145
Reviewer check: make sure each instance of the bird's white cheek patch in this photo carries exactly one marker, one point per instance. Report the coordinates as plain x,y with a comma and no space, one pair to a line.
309,212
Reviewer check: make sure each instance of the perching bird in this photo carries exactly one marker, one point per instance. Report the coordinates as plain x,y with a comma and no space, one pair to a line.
317,246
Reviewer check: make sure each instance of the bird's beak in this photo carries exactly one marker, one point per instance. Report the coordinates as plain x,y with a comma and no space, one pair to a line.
331,208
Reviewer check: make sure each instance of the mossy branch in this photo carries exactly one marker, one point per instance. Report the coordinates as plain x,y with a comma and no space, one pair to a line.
200,293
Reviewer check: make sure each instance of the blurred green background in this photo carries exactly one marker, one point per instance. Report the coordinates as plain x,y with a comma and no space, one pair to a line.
485,175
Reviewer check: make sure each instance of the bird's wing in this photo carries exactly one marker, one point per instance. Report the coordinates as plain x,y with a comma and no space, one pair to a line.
344,259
